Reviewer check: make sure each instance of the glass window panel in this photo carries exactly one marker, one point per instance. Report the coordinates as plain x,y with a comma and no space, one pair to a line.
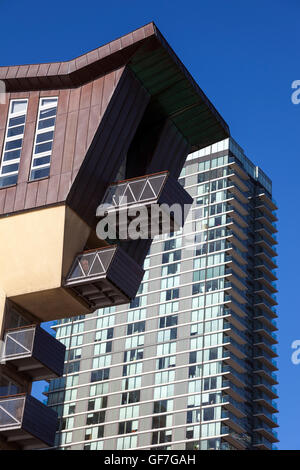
10,168
37,174
16,121
41,161
18,106
15,131
46,123
43,147
14,144
43,137
14,154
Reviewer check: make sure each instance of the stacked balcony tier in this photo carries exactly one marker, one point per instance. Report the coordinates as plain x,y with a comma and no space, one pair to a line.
33,351
26,423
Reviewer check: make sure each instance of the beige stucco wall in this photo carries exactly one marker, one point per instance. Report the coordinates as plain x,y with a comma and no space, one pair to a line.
36,251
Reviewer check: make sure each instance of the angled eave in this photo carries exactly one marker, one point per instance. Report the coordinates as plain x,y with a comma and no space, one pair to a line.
174,92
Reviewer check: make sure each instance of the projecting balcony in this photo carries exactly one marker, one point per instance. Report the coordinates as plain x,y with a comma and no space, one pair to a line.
270,202
263,318
233,406
236,228
263,400
231,389
261,329
27,423
233,438
237,179
154,193
266,388
266,431
104,277
261,369
35,352
265,416
271,214
241,197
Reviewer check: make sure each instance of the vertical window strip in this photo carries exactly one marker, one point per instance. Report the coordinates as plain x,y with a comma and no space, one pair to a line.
42,149
13,142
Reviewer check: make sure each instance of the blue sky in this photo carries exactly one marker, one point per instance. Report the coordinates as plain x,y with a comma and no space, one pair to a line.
245,56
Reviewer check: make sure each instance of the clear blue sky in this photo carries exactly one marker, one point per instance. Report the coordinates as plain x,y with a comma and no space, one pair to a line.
244,55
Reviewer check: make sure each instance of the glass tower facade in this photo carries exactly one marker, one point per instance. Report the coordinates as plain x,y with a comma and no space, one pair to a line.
189,364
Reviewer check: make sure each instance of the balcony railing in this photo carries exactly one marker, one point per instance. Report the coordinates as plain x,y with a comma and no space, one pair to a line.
158,190
26,422
34,351
105,277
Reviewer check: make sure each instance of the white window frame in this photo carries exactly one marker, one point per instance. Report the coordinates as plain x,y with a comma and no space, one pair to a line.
38,132
11,139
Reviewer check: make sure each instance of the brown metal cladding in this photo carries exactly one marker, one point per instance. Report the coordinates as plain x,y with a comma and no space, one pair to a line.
111,142
79,113
170,152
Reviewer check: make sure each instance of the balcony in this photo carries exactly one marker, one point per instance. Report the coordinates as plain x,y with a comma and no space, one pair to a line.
260,328
266,388
155,194
233,376
261,443
262,304
263,318
236,228
104,277
27,423
35,352
262,370
263,344
238,181
266,431
264,400
263,415
262,278
233,438
270,202
233,406
231,389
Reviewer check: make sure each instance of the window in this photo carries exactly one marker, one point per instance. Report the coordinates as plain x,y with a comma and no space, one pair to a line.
97,403
13,142
98,375
130,397
94,433
137,327
95,418
40,165
127,427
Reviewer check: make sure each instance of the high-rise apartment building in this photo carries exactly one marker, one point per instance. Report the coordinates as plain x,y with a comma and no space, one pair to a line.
189,364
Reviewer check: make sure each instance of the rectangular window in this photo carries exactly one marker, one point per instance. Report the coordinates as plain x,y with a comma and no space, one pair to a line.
40,165
13,142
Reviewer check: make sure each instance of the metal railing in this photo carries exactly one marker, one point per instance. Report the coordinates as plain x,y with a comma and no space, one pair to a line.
18,342
90,265
133,191
11,411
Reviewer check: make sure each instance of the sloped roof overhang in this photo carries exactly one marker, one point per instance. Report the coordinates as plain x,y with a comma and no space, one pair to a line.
174,93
